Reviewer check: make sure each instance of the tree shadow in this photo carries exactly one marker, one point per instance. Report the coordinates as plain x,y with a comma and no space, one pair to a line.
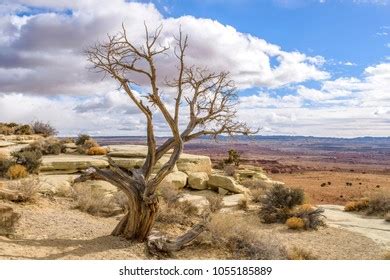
83,247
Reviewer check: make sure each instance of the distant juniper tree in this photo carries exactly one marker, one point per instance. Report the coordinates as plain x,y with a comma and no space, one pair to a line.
209,97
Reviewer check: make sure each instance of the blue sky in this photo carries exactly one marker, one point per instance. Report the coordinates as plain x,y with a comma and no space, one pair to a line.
343,31
302,67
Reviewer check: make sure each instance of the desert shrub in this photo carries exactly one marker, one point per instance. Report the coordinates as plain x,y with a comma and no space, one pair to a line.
354,206
243,242
233,158
88,144
230,170
178,212
82,138
312,217
300,254
257,195
30,159
23,130
97,151
48,146
215,202
243,204
168,194
16,171
5,163
379,205
28,188
387,217
95,201
295,223
278,202
42,128
6,130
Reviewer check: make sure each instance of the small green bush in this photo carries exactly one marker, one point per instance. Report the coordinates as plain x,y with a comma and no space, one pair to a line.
278,203
82,138
23,130
233,157
31,159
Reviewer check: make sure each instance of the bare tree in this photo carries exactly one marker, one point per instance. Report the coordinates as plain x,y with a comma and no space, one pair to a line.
210,99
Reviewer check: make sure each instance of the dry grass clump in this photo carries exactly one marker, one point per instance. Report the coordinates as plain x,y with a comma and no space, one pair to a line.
182,213
168,194
28,188
386,256
312,217
95,151
237,235
5,163
278,203
16,171
359,205
301,254
295,223
379,205
387,217
243,204
95,201
215,202
257,195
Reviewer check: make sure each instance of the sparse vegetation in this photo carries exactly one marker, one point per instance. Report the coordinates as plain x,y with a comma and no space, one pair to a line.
243,204
215,202
8,220
95,201
278,203
16,171
5,163
312,217
45,129
177,212
354,206
27,188
235,234
97,151
23,130
295,223
233,158
230,170
48,146
300,254
31,159
387,217
82,138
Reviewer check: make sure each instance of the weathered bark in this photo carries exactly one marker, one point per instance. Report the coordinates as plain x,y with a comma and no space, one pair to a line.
160,245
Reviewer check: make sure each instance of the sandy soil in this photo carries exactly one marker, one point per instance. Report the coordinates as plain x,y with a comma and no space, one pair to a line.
363,185
53,230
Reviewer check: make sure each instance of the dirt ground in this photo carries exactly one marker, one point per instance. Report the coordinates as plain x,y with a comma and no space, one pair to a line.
337,192
51,229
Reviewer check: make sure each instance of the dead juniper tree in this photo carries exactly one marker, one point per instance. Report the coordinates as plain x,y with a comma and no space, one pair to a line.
208,97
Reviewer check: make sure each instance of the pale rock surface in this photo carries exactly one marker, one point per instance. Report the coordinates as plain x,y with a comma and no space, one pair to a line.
194,163
198,180
71,163
176,180
228,183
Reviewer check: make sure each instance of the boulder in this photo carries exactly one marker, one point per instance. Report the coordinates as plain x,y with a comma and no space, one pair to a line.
8,219
127,151
194,163
56,184
228,183
176,180
71,163
233,200
198,180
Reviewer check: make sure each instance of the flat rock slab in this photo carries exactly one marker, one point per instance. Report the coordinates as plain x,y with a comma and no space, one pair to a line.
71,163
375,228
6,144
194,163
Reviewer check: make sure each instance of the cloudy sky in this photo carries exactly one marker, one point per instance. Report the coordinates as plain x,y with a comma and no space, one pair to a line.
302,67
